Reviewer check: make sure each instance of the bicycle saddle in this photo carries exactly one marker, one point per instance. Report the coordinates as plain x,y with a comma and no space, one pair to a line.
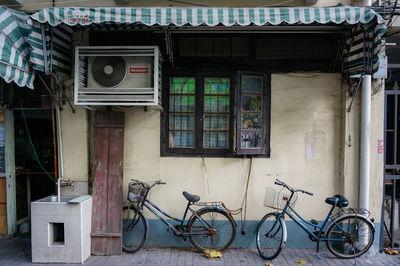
337,200
190,197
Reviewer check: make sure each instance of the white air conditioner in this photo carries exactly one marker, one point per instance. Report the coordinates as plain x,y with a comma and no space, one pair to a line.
122,75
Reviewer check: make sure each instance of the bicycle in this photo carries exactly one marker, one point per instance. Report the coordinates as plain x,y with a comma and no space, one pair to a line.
210,227
348,233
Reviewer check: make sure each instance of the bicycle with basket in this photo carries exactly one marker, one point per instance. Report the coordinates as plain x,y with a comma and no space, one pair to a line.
209,227
348,234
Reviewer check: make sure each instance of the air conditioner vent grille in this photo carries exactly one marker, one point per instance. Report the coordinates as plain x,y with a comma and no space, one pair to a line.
108,71
117,75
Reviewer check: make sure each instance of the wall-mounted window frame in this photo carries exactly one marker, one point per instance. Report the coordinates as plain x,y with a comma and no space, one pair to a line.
253,101
201,112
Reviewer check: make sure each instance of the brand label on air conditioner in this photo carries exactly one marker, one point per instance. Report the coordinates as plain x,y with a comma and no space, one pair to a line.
139,70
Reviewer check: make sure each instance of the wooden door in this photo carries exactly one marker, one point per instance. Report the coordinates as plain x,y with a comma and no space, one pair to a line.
107,184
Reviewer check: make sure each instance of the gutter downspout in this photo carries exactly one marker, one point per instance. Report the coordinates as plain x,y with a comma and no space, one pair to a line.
365,147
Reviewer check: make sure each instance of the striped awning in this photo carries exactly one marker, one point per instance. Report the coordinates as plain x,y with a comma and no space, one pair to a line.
43,41
15,28
196,16
360,54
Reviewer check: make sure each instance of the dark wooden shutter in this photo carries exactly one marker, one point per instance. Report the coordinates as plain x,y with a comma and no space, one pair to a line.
107,184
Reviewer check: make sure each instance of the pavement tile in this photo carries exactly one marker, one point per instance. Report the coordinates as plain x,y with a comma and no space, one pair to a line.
17,252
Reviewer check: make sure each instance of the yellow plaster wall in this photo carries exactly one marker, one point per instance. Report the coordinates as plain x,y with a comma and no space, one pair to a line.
74,132
306,108
302,105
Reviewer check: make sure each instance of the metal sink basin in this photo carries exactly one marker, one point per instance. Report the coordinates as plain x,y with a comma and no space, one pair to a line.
63,199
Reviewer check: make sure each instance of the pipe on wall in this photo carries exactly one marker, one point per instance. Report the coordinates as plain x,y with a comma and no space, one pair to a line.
365,145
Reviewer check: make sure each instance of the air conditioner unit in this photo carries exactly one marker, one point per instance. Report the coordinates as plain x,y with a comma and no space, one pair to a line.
122,75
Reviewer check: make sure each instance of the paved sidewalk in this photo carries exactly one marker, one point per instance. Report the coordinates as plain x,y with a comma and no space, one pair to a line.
17,252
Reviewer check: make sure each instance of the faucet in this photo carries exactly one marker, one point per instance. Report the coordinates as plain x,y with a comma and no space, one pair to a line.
64,183
58,189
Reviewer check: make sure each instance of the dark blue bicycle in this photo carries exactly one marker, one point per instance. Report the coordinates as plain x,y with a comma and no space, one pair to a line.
210,227
347,234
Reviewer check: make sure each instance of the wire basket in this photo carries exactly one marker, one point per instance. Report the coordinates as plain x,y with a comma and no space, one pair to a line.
136,192
277,199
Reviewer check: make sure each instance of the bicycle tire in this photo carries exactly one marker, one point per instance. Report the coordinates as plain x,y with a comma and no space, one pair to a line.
219,223
133,238
270,237
353,244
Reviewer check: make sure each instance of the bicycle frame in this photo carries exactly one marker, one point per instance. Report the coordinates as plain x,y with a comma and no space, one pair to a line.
300,221
157,210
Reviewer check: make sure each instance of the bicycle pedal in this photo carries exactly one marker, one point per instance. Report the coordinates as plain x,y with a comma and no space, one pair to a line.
319,256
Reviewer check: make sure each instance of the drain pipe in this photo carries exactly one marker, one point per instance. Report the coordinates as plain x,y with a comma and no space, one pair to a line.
60,153
365,147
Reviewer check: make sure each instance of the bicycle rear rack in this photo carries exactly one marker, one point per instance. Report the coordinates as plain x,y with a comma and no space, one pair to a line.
209,203
359,211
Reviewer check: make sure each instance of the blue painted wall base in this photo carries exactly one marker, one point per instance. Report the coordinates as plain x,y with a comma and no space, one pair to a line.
159,236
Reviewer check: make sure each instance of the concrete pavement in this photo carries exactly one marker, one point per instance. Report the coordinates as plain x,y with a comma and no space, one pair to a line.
17,252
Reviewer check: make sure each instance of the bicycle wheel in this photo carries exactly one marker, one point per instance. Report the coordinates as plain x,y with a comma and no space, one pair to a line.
351,236
211,229
271,235
133,231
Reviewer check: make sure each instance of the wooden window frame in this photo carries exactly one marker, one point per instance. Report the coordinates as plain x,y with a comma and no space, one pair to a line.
198,150
266,115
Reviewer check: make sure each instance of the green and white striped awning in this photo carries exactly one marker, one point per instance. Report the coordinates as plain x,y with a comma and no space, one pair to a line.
196,16
15,28
43,41
360,54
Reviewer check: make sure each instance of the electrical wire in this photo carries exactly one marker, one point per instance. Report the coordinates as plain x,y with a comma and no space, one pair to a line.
48,3
30,141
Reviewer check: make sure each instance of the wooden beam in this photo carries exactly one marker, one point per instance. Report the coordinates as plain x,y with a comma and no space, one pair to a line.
10,172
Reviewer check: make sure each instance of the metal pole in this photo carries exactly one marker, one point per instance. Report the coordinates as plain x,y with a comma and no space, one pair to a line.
10,172
365,148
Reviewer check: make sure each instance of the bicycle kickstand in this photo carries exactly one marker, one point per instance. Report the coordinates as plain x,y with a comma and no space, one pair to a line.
318,254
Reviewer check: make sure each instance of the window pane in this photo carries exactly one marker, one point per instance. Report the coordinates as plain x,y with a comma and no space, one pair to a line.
252,84
251,103
215,104
182,112
216,113
215,139
179,139
216,122
181,121
216,86
181,104
251,121
182,85
251,139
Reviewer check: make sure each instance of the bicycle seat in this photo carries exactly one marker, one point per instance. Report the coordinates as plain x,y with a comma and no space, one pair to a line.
337,200
190,197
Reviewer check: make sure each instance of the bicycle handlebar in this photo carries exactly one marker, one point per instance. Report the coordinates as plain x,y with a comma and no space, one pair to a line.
280,183
158,182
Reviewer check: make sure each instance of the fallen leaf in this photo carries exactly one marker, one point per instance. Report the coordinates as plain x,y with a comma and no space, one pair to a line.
301,261
211,254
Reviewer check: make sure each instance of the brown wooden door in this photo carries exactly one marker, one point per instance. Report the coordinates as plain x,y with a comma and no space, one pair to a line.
107,184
